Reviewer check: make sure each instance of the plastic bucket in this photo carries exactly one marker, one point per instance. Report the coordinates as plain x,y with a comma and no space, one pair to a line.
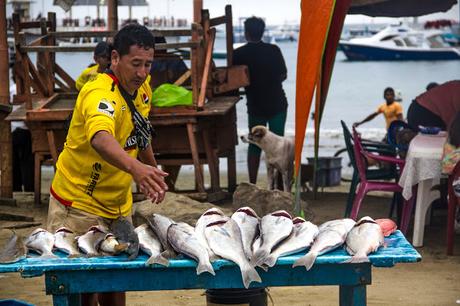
241,297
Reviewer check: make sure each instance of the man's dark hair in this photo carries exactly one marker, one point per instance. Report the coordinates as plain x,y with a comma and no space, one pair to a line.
132,34
102,49
387,90
431,85
254,27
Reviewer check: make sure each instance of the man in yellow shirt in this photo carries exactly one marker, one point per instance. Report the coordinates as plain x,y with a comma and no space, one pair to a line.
102,62
391,109
108,131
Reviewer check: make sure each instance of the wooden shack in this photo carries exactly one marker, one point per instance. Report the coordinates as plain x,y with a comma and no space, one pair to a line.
196,135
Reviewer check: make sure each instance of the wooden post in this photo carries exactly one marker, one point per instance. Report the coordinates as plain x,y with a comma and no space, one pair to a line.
229,34
112,13
197,7
6,161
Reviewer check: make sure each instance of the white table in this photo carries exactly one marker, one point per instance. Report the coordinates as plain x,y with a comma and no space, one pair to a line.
423,167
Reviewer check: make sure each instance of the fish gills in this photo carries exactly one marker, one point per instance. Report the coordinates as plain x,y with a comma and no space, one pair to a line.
42,242
209,216
65,241
364,238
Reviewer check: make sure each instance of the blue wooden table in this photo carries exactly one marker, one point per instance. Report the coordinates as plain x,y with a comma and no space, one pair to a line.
66,278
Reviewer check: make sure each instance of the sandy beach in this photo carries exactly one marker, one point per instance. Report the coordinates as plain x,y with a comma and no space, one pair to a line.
433,281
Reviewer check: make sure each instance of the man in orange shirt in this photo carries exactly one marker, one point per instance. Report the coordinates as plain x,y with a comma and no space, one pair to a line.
391,109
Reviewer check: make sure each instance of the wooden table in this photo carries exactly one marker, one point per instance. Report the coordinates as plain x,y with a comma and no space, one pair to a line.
66,278
422,168
184,135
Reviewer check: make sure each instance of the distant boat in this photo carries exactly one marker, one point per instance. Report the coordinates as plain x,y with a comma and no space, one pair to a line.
399,43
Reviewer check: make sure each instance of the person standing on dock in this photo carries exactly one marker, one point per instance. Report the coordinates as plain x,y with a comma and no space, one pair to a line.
266,99
102,62
108,146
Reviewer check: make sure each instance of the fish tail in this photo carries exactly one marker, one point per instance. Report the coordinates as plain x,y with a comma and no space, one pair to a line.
157,259
249,275
271,260
259,257
48,255
358,258
169,253
213,257
307,261
74,255
204,266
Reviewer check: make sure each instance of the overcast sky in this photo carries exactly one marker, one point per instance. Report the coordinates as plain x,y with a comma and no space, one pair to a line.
274,11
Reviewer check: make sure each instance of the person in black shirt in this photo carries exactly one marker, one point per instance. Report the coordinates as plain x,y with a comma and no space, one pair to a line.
266,100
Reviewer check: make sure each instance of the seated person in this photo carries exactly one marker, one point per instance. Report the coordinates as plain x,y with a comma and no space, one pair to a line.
102,62
166,67
436,107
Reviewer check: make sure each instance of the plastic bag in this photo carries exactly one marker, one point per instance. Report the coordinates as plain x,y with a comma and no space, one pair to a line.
167,95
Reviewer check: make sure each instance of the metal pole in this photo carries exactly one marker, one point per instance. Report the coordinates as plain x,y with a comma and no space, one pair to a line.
6,160
112,15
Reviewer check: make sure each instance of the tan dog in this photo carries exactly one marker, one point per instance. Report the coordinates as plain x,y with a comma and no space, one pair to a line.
279,154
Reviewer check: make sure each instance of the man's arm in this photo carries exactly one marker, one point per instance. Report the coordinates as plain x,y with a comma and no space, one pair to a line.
149,179
367,119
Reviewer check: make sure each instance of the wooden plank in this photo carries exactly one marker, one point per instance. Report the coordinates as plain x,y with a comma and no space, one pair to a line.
64,76
39,86
213,161
183,78
52,145
32,24
199,181
155,32
207,68
229,34
217,20
48,115
231,171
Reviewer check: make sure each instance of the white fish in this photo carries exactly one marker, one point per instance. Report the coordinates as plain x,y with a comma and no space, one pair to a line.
224,238
64,241
160,224
329,238
248,222
150,244
111,246
182,238
209,216
42,242
88,243
302,236
274,228
364,238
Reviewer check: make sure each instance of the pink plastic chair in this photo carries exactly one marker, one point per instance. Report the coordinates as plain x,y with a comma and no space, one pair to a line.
454,201
366,185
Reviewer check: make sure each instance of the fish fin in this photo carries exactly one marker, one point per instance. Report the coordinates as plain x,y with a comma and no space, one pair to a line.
259,257
249,275
169,254
90,255
74,256
48,256
270,261
307,261
204,267
213,257
357,259
264,267
157,259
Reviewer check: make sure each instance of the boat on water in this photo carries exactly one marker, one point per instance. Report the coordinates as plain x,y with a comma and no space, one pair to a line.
400,43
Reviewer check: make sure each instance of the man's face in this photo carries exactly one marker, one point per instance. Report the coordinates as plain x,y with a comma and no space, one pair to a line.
133,68
389,96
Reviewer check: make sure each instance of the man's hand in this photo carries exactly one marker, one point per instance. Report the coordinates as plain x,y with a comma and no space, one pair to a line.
356,124
150,181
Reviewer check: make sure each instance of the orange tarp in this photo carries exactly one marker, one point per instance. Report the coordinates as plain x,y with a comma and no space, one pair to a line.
314,24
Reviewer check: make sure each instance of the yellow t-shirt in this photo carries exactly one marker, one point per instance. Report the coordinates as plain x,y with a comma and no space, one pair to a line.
84,180
390,112
88,74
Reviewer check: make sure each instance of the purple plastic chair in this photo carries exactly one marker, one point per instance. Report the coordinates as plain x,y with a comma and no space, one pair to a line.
366,185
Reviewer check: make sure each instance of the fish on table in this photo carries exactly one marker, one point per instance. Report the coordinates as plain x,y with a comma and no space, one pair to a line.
224,238
274,228
330,237
123,230
302,236
89,242
111,246
183,239
248,222
160,224
14,250
151,245
65,241
364,238
211,215
42,242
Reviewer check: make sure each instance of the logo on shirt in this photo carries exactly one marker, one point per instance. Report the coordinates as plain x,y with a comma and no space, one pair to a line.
106,107
131,142
93,179
145,98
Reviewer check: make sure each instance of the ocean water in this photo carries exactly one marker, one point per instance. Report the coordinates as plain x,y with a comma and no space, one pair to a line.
355,91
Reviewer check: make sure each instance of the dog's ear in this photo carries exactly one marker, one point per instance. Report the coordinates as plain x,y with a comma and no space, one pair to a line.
258,132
